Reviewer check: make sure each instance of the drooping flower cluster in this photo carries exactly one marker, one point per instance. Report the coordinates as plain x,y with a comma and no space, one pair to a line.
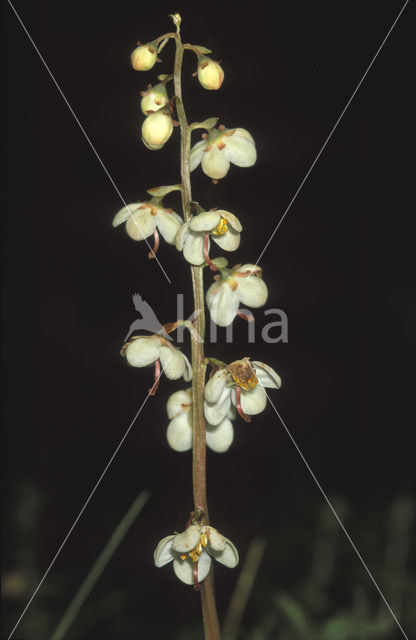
242,284
143,351
219,437
241,384
191,552
193,238
220,148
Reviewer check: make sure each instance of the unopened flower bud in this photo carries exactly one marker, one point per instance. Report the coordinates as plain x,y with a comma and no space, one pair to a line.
154,98
157,129
144,57
210,74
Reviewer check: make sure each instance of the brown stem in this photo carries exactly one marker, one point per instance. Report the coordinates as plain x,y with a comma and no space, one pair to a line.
209,611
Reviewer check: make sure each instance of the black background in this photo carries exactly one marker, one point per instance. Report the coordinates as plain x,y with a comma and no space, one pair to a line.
341,266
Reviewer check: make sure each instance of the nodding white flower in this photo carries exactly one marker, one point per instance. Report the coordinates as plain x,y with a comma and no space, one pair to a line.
243,284
154,98
193,238
157,129
144,219
220,147
210,73
242,384
179,434
142,351
191,552
144,57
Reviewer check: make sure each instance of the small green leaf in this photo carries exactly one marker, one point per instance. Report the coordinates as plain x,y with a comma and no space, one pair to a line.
220,262
208,124
200,49
161,192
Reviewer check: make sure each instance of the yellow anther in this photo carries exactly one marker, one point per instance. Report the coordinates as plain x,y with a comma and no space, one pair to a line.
221,228
251,383
197,550
243,374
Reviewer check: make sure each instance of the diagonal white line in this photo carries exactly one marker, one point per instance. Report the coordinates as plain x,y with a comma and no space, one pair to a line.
336,515
331,132
86,136
157,378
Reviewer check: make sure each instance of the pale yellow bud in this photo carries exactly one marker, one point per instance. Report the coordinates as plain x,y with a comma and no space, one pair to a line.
157,129
154,98
144,57
210,74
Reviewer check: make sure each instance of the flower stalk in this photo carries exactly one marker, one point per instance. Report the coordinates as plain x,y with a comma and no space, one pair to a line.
209,611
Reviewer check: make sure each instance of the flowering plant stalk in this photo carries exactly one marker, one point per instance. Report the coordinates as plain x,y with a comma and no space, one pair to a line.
201,415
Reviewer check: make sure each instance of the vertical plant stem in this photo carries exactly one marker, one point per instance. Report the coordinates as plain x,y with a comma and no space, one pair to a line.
209,610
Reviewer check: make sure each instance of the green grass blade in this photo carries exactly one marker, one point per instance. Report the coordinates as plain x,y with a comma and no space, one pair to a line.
99,565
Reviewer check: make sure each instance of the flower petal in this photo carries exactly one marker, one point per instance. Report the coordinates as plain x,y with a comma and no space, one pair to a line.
184,570
143,351
193,249
181,236
124,213
216,541
187,374
163,552
267,376
215,385
204,565
205,221
231,415
141,224
216,412
240,148
172,361
197,152
228,557
187,540
253,401
252,291
219,438
168,224
230,241
174,406
215,164
231,218
222,303
179,432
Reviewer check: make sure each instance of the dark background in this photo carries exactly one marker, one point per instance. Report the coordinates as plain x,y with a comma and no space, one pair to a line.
341,266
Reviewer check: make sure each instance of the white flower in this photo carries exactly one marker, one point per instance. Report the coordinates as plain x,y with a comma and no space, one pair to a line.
179,434
193,237
210,73
144,57
240,284
221,147
154,98
191,552
157,129
144,219
242,384
142,351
